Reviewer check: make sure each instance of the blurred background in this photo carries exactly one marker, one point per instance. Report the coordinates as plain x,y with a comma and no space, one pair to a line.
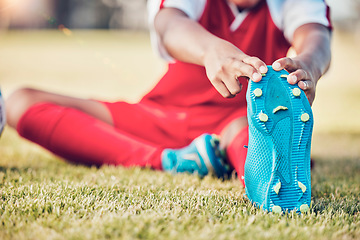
116,14
101,49
103,14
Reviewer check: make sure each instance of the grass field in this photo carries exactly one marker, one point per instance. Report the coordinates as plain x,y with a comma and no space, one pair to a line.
42,197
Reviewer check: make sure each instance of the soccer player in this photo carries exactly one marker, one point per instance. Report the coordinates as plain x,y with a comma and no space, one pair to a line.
213,47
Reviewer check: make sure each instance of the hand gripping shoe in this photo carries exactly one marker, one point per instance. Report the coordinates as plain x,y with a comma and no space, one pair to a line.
201,157
277,168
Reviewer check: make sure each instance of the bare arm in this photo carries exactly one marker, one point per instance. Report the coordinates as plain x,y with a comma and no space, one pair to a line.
312,44
188,41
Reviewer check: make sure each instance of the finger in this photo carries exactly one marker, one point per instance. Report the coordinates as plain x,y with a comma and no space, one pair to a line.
259,65
284,63
246,70
232,85
222,89
306,85
297,76
310,95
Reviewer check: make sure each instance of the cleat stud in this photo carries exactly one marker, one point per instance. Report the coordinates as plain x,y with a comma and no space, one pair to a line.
263,74
263,117
223,153
296,92
276,209
302,186
284,75
277,188
215,137
304,208
258,92
305,117
214,141
280,108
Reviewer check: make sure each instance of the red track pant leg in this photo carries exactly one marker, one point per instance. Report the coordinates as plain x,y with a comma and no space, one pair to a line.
83,139
236,152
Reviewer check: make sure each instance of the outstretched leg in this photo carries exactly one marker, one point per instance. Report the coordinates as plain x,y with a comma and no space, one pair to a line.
78,130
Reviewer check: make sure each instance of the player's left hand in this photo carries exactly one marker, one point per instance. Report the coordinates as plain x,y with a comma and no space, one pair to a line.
301,74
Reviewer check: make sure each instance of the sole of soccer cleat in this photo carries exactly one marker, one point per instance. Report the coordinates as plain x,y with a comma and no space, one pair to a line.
277,168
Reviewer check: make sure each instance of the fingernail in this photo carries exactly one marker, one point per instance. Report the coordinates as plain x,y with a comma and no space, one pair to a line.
256,76
305,85
276,65
293,79
263,69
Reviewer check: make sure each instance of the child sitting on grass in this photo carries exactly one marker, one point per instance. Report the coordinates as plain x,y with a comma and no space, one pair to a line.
213,47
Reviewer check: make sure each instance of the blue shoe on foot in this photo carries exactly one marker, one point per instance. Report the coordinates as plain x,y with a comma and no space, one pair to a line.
277,168
201,157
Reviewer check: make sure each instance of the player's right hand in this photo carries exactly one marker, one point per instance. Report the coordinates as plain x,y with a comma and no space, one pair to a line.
225,63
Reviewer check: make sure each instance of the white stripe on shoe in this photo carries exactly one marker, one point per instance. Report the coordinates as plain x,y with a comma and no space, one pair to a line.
201,147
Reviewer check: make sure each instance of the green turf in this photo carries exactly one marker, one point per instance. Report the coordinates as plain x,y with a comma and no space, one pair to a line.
42,197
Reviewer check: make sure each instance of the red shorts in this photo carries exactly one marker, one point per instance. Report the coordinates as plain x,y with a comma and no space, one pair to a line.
171,126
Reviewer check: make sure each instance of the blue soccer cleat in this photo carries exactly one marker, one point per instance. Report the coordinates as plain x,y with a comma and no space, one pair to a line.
201,157
277,168
2,114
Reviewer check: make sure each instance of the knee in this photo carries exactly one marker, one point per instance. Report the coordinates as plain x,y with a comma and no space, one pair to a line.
232,130
18,103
